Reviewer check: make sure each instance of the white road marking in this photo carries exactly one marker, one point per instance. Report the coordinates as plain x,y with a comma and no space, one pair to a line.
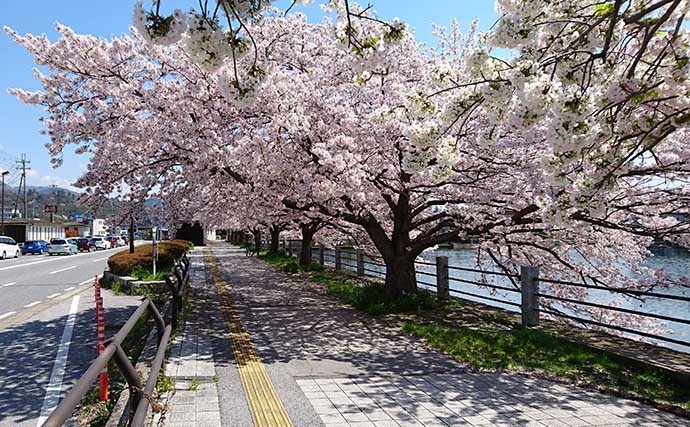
8,284
50,260
2,316
32,304
51,296
63,269
100,259
54,388
69,289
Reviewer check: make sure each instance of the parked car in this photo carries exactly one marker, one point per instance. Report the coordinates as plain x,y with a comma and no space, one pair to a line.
8,247
114,241
125,239
100,243
84,244
62,247
35,247
120,241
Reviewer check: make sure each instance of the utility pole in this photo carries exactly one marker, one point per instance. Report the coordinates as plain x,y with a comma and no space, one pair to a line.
2,212
23,162
131,234
55,198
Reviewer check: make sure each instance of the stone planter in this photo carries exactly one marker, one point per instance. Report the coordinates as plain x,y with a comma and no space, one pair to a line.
132,284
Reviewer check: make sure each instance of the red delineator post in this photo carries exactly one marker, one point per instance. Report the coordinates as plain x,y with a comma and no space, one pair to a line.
100,339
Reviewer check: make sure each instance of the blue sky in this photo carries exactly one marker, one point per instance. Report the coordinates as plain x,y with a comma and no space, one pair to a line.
19,125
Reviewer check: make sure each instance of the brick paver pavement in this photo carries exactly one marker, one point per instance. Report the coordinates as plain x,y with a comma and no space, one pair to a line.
333,366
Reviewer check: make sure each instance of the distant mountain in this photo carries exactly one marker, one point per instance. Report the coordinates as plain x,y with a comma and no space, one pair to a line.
43,190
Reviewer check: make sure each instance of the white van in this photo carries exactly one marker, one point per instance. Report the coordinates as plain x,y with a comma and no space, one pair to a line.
8,247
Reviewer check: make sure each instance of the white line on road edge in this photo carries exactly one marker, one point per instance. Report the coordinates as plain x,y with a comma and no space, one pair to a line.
69,289
9,284
32,304
7,314
59,258
54,388
99,259
51,296
63,269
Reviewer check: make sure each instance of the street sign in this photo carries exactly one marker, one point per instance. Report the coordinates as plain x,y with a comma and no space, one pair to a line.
50,208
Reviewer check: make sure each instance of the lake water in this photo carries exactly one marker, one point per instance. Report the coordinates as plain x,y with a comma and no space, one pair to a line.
677,264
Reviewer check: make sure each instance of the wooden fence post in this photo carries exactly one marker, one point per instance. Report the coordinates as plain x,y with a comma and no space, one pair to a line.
321,256
338,258
442,280
360,263
289,248
529,284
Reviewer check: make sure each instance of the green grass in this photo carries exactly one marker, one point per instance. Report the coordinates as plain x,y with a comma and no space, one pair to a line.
524,349
146,274
287,263
163,383
371,297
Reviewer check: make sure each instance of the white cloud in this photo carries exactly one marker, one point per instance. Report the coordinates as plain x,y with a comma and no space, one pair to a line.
36,178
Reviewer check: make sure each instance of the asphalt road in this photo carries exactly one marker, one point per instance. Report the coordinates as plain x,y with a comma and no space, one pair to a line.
32,279
47,330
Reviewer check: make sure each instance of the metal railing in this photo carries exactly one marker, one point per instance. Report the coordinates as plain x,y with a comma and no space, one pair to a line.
176,284
140,394
532,299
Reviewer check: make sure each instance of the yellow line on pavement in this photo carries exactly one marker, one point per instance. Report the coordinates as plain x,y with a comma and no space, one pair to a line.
264,403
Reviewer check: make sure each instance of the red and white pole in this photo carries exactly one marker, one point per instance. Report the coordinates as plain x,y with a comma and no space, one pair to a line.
100,338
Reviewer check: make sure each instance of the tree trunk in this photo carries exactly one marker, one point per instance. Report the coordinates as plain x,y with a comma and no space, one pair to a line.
257,241
401,277
305,249
400,271
275,239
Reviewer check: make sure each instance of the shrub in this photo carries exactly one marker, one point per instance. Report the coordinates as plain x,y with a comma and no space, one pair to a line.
291,267
123,263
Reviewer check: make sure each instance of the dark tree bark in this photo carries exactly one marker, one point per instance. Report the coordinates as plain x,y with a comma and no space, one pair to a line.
275,238
401,277
257,240
308,232
396,250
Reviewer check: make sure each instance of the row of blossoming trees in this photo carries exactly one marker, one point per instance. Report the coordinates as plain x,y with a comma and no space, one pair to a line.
558,139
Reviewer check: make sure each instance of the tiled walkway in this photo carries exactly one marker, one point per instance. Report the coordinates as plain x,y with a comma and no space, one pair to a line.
332,366
194,401
444,400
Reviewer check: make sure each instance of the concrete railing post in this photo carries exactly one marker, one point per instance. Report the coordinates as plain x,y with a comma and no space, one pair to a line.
338,258
530,301
360,263
321,255
442,280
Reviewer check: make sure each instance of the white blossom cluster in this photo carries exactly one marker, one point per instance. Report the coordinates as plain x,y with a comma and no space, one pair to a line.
163,31
207,43
241,93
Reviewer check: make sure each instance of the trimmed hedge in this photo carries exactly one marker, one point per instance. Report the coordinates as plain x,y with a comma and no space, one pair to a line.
169,251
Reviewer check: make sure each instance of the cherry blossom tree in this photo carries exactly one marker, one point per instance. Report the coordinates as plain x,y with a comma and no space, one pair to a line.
412,147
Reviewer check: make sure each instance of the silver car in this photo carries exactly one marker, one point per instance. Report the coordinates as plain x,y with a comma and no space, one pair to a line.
62,247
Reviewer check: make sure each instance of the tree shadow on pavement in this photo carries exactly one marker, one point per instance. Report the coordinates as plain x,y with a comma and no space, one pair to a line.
27,355
308,334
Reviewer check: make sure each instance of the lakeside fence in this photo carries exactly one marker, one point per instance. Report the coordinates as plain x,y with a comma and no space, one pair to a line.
523,293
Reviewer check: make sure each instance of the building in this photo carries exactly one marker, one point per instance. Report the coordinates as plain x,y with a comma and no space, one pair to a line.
22,230
10,213
98,227
77,229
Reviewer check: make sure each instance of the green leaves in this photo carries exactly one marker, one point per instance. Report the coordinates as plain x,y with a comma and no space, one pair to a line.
603,10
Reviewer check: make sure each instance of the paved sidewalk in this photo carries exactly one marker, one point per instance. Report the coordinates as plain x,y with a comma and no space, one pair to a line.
333,366
194,401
